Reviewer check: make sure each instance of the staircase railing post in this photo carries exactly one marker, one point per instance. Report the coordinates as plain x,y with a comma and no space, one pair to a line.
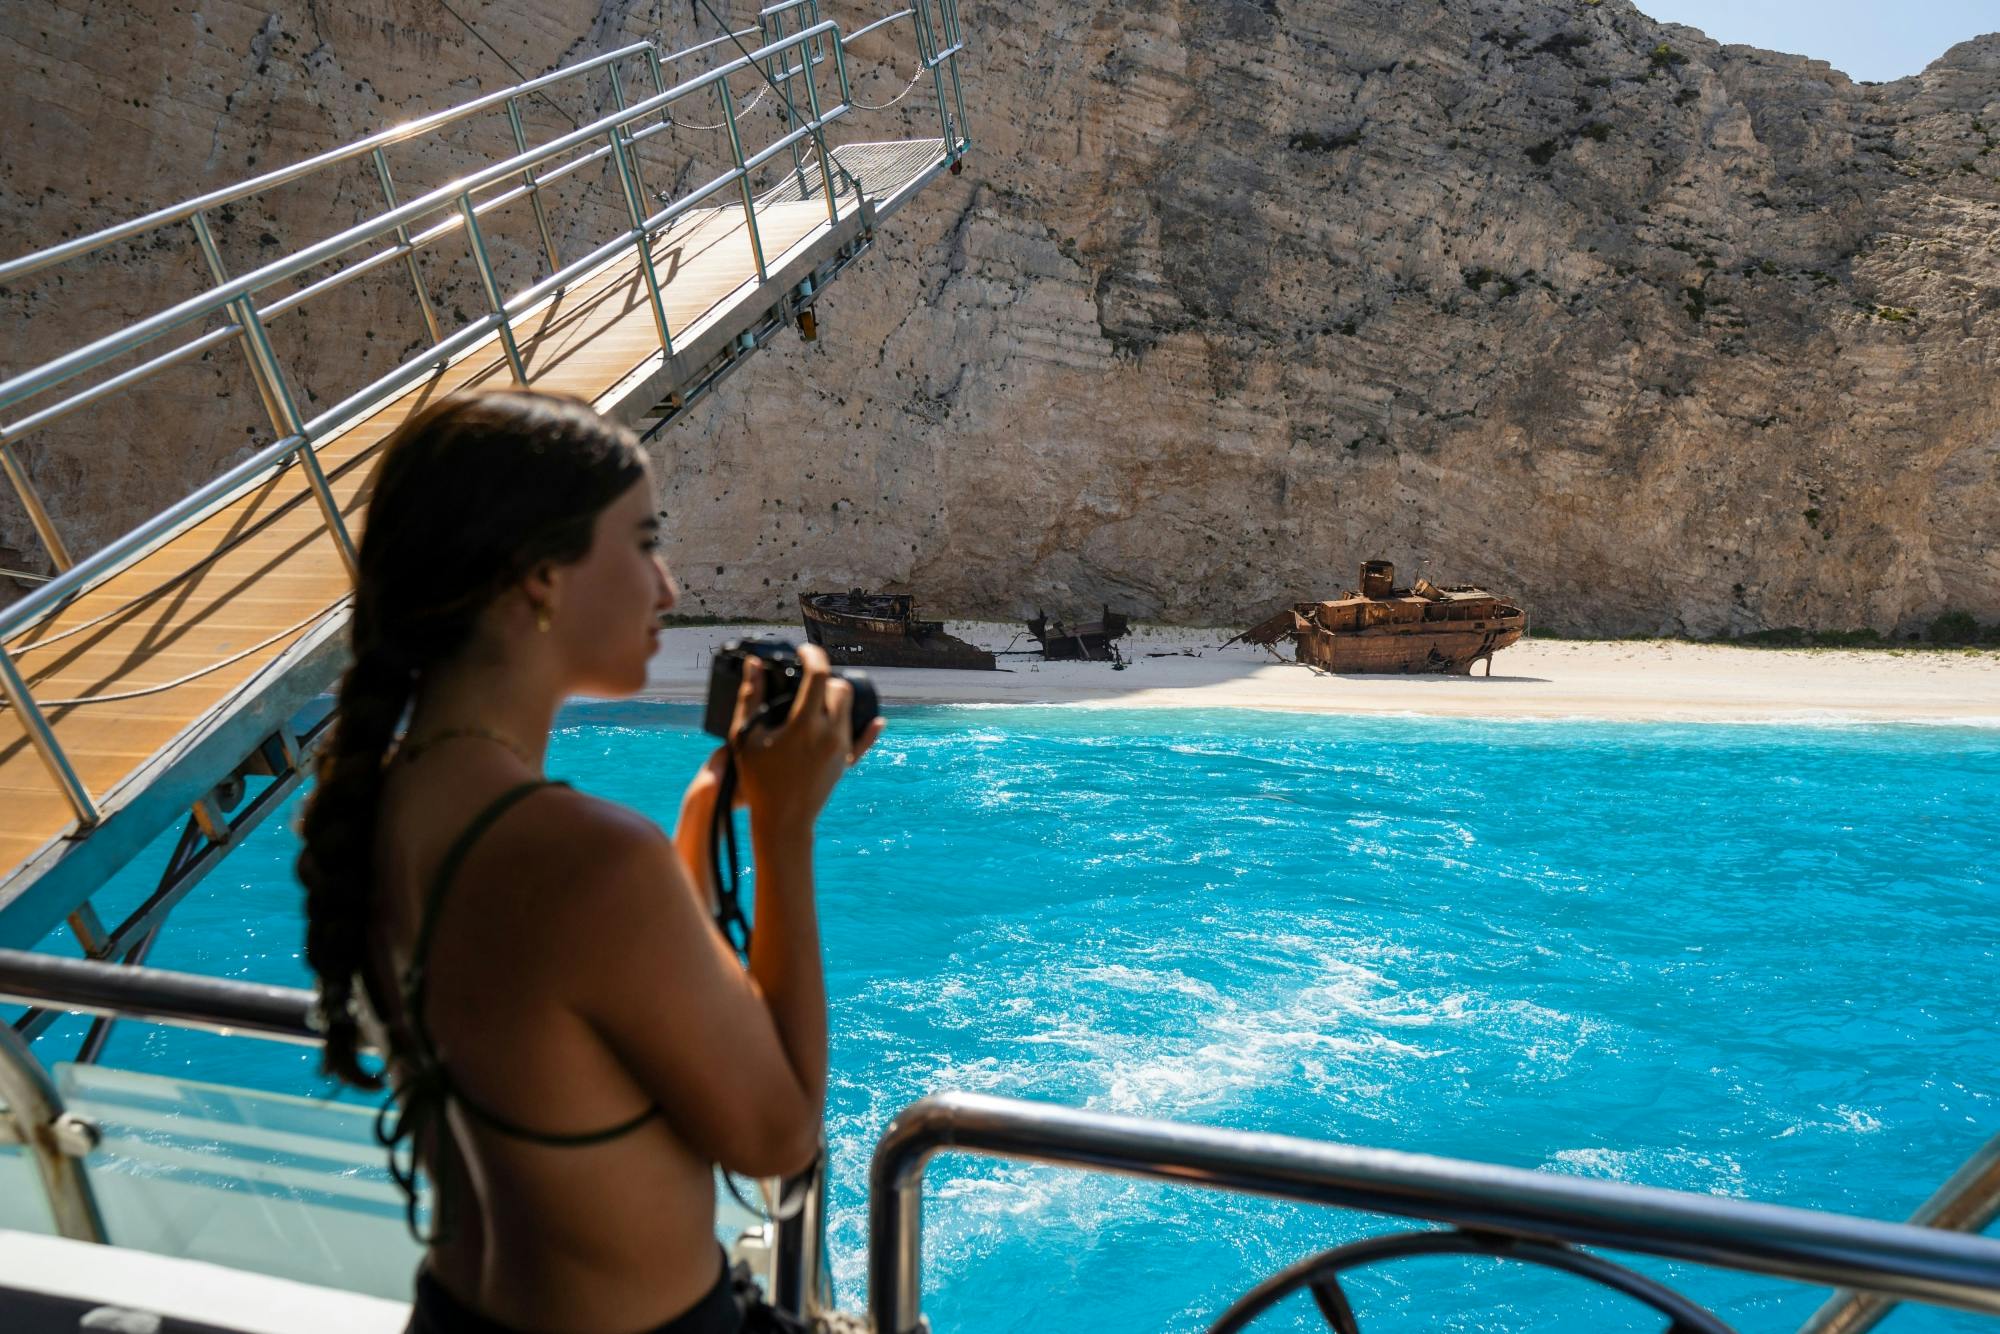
742,178
954,38
212,253
31,500
927,52
635,205
631,149
777,67
476,241
659,81
819,135
529,179
410,255
264,362
15,688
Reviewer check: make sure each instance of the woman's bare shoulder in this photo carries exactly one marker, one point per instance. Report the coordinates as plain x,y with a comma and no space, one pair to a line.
592,829
599,846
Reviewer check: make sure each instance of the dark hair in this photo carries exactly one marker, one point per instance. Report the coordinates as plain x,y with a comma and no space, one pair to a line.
471,495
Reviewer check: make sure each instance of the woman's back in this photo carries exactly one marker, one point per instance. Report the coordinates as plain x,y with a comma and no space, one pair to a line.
550,1236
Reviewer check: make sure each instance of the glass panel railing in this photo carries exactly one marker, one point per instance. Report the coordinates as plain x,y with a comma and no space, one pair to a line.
261,1181
258,1181
23,1205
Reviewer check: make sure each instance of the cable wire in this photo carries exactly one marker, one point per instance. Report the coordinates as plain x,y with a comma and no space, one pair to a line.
446,6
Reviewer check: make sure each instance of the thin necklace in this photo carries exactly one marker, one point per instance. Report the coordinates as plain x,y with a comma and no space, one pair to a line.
409,751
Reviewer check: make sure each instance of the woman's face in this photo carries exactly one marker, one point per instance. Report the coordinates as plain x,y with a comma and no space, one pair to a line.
607,613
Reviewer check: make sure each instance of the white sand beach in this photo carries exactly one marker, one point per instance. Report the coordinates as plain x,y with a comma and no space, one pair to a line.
1629,680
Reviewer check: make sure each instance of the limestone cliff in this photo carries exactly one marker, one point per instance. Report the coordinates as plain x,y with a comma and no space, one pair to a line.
1654,334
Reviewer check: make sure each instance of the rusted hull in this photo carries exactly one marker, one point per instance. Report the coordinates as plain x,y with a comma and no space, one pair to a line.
1381,628
874,641
1400,649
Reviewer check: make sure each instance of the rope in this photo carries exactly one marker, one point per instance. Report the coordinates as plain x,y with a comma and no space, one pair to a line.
141,599
870,106
191,676
741,111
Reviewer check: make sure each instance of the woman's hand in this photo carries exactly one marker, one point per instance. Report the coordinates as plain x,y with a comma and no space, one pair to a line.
786,772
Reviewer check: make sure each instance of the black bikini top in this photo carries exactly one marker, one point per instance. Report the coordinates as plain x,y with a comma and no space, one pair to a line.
427,1083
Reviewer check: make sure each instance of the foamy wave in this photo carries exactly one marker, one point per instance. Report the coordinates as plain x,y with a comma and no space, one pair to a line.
1709,1171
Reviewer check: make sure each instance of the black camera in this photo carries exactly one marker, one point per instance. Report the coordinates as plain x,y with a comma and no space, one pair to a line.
782,675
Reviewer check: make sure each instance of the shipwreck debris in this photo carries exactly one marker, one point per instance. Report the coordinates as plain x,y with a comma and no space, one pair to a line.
1382,628
1088,641
859,629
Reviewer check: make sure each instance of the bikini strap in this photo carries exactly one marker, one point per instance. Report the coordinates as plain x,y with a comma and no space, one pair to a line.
414,978
416,990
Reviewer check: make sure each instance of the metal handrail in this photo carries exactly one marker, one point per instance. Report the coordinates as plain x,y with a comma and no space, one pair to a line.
157,996
1894,1259
270,180
235,297
443,197
1968,1202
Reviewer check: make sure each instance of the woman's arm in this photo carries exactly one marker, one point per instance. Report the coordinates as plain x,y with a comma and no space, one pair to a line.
695,832
784,949
738,1059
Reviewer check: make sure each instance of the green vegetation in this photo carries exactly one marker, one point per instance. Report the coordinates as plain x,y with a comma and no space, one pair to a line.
1958,627
1812,517
1895,314
1597,130
1696,304
1542,153
1665,57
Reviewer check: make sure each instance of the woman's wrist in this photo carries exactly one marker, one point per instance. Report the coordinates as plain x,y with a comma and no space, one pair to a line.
775,839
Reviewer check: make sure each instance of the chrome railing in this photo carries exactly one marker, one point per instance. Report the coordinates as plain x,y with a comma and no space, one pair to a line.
1968,1202
1501,1212
32,1114
407,228
1504,1212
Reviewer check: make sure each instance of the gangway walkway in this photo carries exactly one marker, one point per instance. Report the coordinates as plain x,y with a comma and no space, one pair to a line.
147,684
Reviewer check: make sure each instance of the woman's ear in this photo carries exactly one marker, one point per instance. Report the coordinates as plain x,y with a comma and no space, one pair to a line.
542,586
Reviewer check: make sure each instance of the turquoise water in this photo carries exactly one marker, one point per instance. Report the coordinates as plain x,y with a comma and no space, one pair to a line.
1750,960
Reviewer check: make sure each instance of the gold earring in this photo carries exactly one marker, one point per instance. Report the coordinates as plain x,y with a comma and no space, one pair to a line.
542,619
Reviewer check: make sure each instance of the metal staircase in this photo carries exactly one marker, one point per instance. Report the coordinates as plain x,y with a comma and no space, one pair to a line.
173,675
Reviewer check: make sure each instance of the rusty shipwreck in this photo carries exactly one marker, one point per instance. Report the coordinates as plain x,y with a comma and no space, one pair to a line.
859,629
1085,641
1383,628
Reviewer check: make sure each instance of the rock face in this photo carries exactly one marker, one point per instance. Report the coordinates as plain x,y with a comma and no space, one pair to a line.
1649,333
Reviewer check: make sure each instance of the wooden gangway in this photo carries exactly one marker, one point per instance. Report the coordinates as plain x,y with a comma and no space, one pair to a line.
152,682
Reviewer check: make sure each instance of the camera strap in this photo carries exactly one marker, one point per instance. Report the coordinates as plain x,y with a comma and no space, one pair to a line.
728,879
726,871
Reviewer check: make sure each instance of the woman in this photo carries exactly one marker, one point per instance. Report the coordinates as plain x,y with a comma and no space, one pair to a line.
573,1045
